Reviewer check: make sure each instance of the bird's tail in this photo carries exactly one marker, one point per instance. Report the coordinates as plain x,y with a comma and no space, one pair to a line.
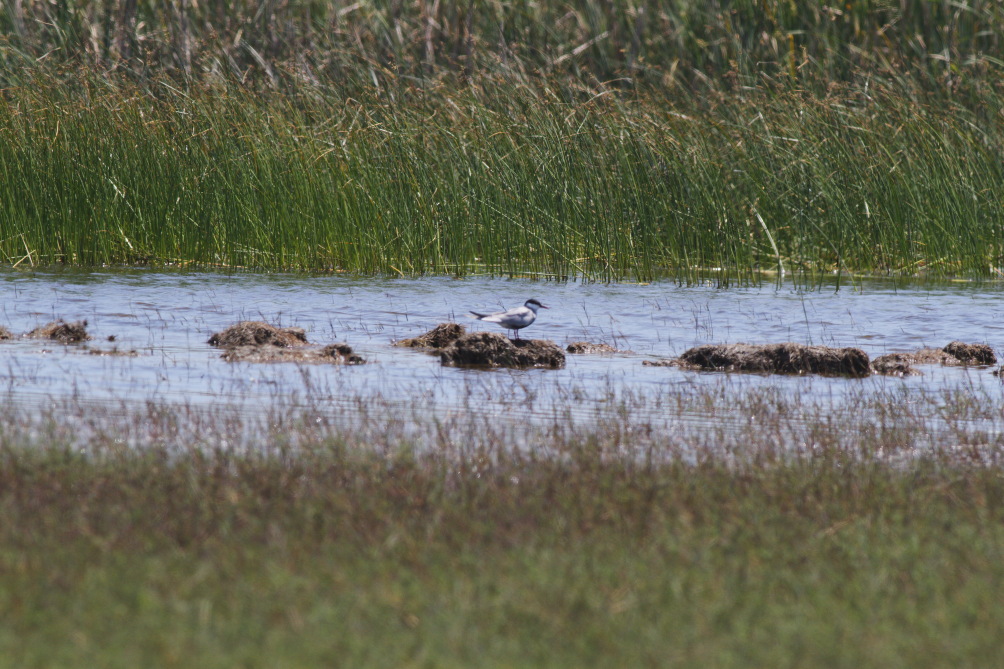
476,315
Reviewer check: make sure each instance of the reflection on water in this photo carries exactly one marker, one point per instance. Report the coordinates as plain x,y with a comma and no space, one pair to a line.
167,318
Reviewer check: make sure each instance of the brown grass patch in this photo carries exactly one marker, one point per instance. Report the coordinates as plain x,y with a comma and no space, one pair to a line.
491,349
787,358
61,331
971,354
438,337
258,333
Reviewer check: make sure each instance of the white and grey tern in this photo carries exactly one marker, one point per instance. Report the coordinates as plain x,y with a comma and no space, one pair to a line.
515,319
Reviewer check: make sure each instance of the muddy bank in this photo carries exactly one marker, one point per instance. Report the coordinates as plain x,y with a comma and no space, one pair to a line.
61,331
332,354
955,354
586,348
788,358
491,349
258,333
437,338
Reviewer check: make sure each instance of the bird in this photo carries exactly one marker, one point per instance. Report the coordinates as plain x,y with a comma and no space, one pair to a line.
515,319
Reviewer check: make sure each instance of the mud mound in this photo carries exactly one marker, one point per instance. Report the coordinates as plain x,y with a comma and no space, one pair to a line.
971,354
5,333
257,333
895,364
583,347
953,355
786,358
333,354
438,337
930,356
61,331
491,349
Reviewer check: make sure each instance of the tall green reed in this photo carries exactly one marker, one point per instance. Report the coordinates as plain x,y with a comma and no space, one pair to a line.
504,179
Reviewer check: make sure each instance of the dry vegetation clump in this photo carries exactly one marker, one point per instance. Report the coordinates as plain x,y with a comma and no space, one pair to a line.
332,354
895,364
61,331
258,333
491,349
952,355
581,347
971,354
438,337
787,358
5,333
256,341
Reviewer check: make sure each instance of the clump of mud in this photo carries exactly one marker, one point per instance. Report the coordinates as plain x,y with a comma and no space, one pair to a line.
255,341
585,347
5,333
437,338
954,354
61,331
258,333
492,349
332,354
895,364
788,358
971,354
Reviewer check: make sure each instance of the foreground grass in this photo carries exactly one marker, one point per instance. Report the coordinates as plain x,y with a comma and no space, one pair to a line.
354,550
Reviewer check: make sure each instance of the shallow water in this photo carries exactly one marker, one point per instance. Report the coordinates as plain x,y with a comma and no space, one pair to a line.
166,317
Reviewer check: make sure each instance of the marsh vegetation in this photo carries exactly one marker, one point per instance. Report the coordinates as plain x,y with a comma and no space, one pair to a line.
396,541
600,139
163,507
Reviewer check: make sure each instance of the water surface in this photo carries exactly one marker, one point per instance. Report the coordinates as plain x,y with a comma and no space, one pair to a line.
166,318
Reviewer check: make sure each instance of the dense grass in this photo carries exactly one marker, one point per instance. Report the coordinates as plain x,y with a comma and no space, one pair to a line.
605,140
954,48
320,543
504,180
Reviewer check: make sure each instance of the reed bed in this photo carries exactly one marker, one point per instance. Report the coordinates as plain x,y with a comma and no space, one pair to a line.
601,140
312,540
501,180
700,47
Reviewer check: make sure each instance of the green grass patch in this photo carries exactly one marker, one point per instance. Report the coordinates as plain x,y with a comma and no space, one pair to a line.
449,548
503,180
594,139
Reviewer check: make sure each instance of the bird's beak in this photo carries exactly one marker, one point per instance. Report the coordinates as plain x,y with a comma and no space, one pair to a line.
543,307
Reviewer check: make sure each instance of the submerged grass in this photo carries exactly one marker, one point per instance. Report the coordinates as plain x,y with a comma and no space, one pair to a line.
439,544
505,179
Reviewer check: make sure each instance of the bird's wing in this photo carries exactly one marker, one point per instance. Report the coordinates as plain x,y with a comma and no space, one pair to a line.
489,318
